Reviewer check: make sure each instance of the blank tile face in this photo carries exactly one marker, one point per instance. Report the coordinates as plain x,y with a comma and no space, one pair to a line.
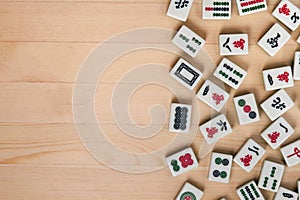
288,14
233,44
278,78
186,74
216,9
250,191
270,176
188,41
297,65
180,9
250,7
249,155
274,39
285,194
246,108
182,161
278,132
189,192
291,153
220,167
215,129
213,95
180,118
277,104
230,73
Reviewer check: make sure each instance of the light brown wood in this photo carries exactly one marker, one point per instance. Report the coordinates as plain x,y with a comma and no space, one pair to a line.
42,46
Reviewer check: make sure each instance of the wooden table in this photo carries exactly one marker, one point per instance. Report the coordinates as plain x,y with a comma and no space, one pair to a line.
44,43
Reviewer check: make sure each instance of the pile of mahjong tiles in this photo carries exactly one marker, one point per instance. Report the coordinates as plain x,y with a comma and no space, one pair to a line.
246,107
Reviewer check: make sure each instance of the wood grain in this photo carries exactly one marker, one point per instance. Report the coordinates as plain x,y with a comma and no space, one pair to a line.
42,46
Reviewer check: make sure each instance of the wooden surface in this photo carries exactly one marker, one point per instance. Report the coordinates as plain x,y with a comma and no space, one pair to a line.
42,46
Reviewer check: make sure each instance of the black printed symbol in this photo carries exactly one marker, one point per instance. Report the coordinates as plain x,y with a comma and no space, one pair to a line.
294,18
223,125
180,118
185,68
226,44
274,41
181,4
287,195
206,90
277,104
284,127
270,79
255,150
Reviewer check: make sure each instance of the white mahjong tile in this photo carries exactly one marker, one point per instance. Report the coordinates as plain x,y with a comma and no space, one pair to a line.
215,129
277,132
249,155
285,194
220,167
298,40
277,104
297,65
213,95
180,9
246,108
189,191
288,14
233,44
186,74
270,176
230,73
249,191
299,188
188,41
274,39
182,161
291,153
250,7
180,118
278,78
216,9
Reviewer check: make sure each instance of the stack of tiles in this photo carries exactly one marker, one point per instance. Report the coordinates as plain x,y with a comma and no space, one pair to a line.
285,194
182,161
297,65
252,6
186,74
291,153
274,39
230,73
270,176
220,167
277,104
215,129
277,133
288,14
233,44
213,95
188,41
189,192
216,9
246,109
249,191
278,78
180,118
249,155
180,9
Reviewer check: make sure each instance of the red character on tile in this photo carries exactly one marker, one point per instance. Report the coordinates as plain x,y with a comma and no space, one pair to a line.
274,136
246,160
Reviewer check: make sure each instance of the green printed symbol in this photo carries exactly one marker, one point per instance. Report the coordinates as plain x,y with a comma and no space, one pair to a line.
242,102
175,165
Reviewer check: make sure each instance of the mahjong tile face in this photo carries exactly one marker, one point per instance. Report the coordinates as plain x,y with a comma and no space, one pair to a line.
249,191
291,153
216,9
179,9
233,44
250,7
278,78
189,192
220,167
180,118
285,194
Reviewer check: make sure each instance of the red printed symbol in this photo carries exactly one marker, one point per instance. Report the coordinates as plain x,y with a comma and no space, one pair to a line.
246,160
285,10
211,132
296,152
284,77
274,136
239,43
186,160
217,98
